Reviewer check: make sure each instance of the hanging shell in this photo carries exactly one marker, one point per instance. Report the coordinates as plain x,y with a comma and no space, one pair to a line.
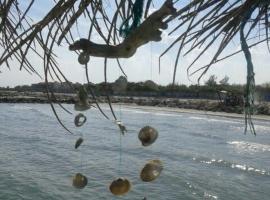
83,58
151,170
78,143
82,106
82,94
148,135
120,186
82,103
79,120
79,181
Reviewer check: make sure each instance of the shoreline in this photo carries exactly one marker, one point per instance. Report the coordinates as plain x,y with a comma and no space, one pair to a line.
179,110
193,111
195,106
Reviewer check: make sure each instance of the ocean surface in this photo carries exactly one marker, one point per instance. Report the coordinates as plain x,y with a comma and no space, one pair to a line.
204,157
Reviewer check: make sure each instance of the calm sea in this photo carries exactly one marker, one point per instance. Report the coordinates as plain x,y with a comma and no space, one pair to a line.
204,157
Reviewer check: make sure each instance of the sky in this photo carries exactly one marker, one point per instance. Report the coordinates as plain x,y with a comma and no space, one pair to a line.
143,65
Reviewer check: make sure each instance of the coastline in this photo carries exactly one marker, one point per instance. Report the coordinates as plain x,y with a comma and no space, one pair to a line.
193,111
193,106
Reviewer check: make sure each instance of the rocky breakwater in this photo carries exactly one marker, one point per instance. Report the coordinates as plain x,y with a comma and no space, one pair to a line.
262,108
196,104
33,97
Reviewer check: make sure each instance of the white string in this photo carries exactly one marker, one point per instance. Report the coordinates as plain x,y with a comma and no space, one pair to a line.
120,134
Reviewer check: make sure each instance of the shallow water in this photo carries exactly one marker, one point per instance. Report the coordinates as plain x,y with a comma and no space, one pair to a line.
205,157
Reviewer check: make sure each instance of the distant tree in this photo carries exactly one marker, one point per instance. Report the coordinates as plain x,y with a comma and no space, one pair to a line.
266,85
224,81
212,81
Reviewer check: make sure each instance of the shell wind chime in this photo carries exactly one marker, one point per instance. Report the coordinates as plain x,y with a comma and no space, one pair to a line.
147,135
82,104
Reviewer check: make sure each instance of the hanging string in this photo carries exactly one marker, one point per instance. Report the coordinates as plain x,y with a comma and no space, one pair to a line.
137,12
120,144
151,72
81,152
144,191
151,58
120,135
150,119
120,154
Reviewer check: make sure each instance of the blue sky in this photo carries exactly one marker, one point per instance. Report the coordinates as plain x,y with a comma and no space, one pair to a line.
144,65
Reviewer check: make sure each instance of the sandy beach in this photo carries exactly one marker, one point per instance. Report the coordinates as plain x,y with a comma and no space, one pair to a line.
192,111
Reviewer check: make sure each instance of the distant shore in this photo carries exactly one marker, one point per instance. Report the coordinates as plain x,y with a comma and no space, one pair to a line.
193,111
188,105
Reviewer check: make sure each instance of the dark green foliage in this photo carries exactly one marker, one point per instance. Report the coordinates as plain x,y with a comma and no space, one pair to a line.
149,88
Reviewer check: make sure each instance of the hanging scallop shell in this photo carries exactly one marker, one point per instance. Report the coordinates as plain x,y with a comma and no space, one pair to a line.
151,170
78,143
79,181
83,58
148,135
82,103
82,94
79,120
120,186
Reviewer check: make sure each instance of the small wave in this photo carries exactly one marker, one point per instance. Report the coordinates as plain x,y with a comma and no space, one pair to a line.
168,114
205,135
250,146
199,118
124,109
262,128
224,121
209,196
141,112
224,163
21,107
216,120
131,110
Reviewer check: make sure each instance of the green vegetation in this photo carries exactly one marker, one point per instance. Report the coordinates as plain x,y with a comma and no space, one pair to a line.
212,89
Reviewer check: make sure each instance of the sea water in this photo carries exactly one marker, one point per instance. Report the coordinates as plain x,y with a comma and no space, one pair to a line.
204,157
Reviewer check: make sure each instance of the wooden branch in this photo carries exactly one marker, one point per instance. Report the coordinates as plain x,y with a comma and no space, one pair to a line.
146,32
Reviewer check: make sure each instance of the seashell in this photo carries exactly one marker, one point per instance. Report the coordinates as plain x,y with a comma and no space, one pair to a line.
82,104
120,186
79,181
78,143
151,170
148,135
83,58
82,94
120,85
79,120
